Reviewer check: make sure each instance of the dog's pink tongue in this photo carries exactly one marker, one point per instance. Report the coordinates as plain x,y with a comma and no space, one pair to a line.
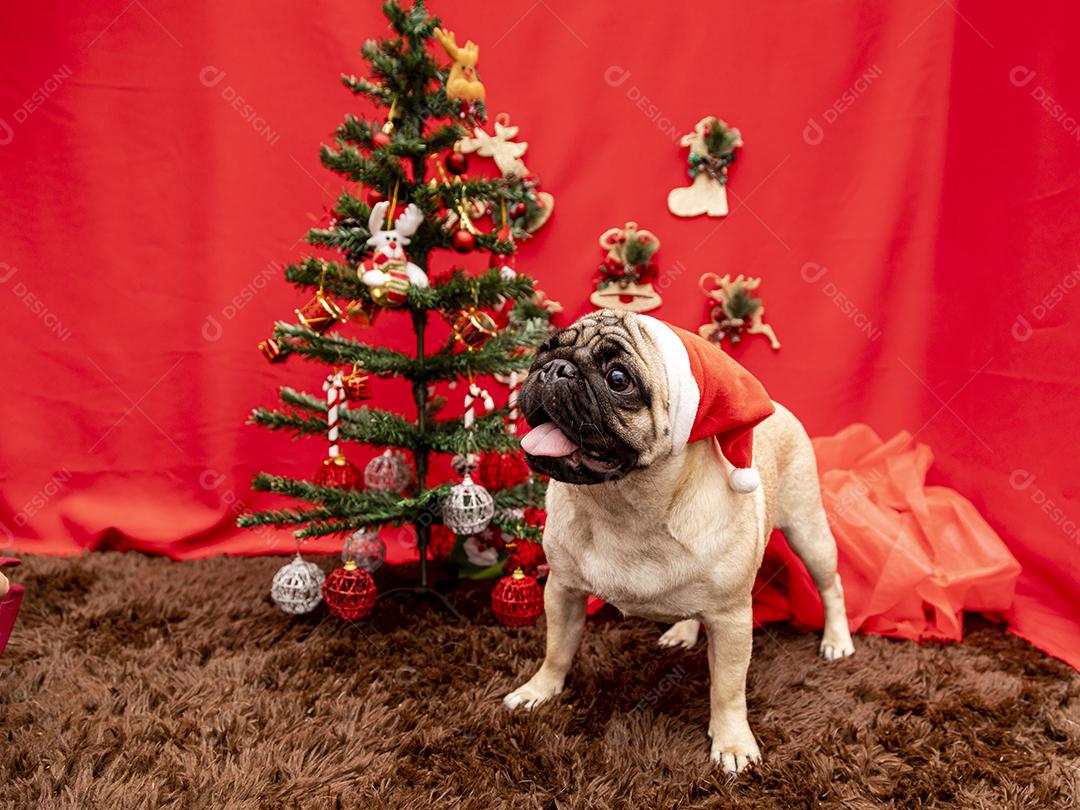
547,440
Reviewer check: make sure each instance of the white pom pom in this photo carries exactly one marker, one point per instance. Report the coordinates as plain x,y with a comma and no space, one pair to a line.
744,479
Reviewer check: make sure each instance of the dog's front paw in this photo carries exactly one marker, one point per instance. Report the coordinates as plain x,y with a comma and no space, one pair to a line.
681,634
538,689
734,750
836,644
734,747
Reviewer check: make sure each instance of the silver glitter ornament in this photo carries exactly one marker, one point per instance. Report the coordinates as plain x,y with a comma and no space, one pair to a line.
297,586
389,472
365,548
468,508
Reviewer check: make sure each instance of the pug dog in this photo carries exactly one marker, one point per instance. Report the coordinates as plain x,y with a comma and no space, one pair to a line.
669,468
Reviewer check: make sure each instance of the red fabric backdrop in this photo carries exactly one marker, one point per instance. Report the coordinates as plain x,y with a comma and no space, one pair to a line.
908,191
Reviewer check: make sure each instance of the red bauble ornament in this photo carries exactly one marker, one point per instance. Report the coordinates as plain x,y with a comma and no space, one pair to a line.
463,241
441,543
535,516
457,163
517,210
337,472
379,140
502,470
517,600
526,555
349,592
374,197
271,350
357,386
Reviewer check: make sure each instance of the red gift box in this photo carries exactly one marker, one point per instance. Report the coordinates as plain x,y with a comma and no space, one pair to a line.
9,605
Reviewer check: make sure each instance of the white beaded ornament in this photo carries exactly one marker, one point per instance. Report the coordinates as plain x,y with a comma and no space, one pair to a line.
365,548
468,508
297,587
389,472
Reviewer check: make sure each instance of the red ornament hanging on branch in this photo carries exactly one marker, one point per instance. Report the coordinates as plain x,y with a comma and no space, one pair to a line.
463,241
528,556
337,471
441,543
473,327
349,592
498,471
271,350
320,313
357,385
517,600
457,163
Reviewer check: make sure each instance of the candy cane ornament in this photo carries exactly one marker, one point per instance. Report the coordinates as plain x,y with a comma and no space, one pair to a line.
476,393
514,382
335,396
336,470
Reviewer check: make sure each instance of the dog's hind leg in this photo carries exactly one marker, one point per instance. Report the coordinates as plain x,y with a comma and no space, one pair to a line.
681,634
802,519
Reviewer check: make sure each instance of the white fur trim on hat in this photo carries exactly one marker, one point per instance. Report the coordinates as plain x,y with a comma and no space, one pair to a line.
683,393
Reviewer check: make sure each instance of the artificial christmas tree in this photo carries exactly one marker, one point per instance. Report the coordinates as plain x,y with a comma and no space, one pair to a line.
383,231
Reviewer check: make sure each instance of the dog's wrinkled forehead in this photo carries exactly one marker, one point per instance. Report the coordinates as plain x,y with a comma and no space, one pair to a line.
605,335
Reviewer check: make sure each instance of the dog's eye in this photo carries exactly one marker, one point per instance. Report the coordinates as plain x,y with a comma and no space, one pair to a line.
618,379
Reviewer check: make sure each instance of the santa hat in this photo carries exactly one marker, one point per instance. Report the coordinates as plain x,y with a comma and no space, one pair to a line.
709,394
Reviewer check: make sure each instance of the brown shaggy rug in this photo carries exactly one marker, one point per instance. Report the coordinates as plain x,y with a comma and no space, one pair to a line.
136,682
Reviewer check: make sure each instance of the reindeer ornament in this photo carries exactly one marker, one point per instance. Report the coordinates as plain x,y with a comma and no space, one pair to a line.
389,272
735,311
507,154
462,85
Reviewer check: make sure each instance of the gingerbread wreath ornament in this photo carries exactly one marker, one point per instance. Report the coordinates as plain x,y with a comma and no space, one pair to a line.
712,149
625,276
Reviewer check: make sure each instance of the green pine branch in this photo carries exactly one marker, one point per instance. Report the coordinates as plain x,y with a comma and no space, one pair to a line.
501,354
335,349
459,291
345,511
284,517
339,280
379,428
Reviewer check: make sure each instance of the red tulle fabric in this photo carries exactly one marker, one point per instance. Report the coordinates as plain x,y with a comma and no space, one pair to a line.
912,557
